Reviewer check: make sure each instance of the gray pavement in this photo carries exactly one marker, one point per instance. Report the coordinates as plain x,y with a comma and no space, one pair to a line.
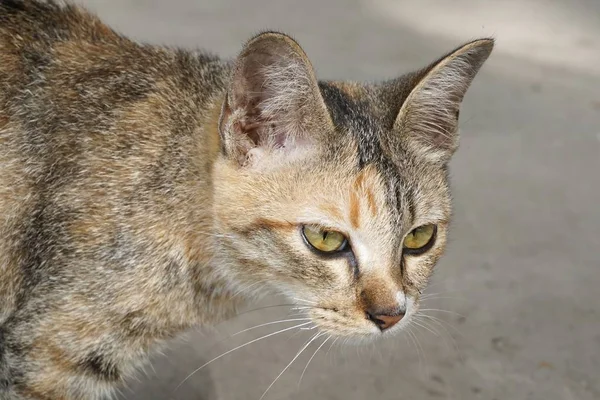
522,272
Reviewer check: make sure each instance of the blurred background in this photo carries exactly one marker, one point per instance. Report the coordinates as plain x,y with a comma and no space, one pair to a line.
515,304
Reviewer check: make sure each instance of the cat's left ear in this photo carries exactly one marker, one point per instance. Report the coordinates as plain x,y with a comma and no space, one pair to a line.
273,107
428,118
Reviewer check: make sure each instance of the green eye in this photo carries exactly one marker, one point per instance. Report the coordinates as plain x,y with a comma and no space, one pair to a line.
324,240
420,239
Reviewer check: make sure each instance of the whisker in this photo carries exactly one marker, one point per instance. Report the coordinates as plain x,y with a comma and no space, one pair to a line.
441,289
242,313
316,336
425,362
330,346
239,347
444,293
432,297
245,289
416,322
431,285
306,301
293,335
309,328
426,295
419,349
412,339
297,314
441,322
429,324
271,323
419,317
405,336
255,309
301,310
310,359
442,311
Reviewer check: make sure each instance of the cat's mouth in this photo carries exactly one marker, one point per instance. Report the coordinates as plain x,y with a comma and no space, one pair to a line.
358,324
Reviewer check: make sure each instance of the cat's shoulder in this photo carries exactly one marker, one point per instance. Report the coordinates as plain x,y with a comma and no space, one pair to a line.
45,43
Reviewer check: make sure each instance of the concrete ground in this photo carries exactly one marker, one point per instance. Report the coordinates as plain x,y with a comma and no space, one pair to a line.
521,279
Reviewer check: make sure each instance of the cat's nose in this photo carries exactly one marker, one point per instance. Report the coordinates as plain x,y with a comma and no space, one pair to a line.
385,320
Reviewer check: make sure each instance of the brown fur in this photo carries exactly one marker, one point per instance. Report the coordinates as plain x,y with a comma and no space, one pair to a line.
143,188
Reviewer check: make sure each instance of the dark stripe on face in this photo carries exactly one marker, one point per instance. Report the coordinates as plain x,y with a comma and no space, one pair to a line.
398,200
412,208
353,115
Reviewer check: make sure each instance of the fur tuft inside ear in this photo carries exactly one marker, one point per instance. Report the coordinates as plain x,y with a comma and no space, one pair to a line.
273,100
428,118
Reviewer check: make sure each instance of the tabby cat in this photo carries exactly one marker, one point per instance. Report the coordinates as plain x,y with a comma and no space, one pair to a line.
143,188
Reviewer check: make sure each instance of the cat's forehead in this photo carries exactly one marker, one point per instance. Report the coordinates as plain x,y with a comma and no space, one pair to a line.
362,121
355,111
364,116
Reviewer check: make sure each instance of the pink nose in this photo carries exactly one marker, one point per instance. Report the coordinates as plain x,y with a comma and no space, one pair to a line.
383,321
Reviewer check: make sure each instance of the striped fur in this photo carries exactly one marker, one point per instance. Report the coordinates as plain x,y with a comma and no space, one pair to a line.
142,188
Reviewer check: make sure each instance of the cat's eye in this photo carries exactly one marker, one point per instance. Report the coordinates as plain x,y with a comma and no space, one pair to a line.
420,239
323,240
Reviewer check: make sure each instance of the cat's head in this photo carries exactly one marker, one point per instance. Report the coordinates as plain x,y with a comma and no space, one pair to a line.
336,193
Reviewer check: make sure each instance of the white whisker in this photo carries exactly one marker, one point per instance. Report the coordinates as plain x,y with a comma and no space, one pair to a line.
256,309
441,322
417,347
442,311
424,365
309,328
271,323
300,310
330,346
415,321
429,298
239,347
293,335
430,325
297,314
426,295
245,288
306,301
310,359
316,336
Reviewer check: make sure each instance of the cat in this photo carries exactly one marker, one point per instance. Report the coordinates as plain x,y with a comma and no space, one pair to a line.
146,190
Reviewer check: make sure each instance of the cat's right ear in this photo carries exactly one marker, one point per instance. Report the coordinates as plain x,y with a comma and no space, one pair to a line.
428,119
273,105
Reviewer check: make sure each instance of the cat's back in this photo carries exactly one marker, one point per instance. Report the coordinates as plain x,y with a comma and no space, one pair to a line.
64,75
61,65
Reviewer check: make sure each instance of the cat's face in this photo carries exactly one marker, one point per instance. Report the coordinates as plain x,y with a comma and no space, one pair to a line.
336,194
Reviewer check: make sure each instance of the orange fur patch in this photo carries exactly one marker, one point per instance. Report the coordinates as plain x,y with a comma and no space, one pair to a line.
354,209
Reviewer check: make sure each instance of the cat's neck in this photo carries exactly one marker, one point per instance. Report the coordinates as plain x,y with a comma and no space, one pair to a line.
200,245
